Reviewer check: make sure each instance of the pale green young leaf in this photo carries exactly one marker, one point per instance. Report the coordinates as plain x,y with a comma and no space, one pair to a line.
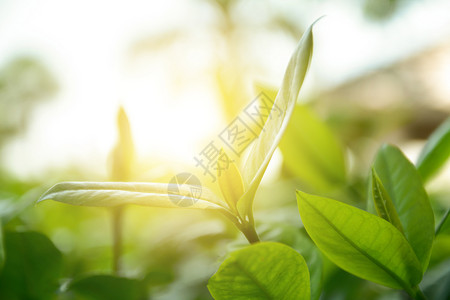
264,147
383,203
262,271
230,181
311,152
359,242
405,188
435,152
119,193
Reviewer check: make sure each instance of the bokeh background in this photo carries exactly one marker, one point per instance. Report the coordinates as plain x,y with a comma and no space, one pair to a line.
180,71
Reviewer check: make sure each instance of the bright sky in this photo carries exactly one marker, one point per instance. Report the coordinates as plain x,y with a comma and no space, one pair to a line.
86,44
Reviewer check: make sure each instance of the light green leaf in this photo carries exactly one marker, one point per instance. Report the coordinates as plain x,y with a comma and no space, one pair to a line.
262,271
311,152
298,239
383,203
119,193
359,242
444,225
405,187
436,152
230,181
264,147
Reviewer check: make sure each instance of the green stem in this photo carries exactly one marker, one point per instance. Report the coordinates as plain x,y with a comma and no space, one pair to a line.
117,221
248,229
250,233
416,293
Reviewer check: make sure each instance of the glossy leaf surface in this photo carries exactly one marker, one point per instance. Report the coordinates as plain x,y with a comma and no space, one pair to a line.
359,242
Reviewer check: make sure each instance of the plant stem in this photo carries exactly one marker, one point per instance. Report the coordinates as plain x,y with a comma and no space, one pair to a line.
117,221
247,228
250,233
417,294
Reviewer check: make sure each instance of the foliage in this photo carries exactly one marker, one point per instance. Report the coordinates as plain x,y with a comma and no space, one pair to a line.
327,244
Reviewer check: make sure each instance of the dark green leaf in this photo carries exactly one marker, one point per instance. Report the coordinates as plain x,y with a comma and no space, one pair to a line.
404,186
436,152
359,242
32,267
262,271
106,287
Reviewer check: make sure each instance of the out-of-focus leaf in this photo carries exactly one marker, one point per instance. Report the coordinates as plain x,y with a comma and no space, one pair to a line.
2,251
441,250
106,287
32,267
264,147
436,282
405,187
262,271
118,193
359,242
383,203
123,153
444,225
436,152
298,239
311,152
230,181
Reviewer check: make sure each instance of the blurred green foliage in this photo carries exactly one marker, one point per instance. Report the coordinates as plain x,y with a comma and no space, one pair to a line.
64,252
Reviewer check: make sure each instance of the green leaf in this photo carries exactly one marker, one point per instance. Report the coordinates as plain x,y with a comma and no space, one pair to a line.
32,267
311,152
298,239
106,287
119,193
262,271
230,182
264,147
405,187
444,225
383,203
435,152
359,242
